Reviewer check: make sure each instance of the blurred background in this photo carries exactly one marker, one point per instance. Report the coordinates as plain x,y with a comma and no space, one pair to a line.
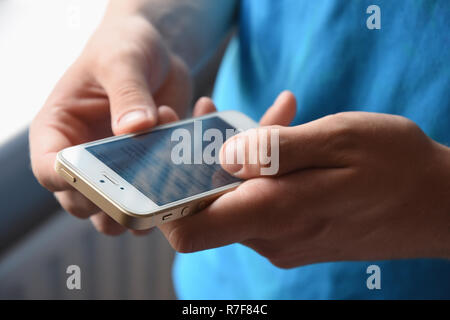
38,241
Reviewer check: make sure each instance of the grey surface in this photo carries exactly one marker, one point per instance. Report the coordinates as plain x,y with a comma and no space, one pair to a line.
124,267
38,242
24,204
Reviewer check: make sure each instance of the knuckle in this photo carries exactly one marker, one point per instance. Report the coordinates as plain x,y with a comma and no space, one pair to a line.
108,64
129,90
343,132
342,124
408,128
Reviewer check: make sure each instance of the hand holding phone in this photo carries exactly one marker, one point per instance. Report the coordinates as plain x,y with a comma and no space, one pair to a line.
145,179
45,142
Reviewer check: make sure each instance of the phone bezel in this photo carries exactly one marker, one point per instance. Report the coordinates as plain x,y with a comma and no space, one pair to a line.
131,200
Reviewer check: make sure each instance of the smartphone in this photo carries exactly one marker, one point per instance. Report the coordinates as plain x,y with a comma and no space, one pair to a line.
145,179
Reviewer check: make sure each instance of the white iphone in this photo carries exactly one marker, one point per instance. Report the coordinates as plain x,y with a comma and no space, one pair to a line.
145,179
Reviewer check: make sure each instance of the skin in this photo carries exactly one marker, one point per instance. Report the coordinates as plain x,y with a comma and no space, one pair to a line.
351,186
121,83
140,60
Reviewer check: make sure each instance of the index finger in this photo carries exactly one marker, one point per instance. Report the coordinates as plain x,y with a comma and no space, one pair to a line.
45,142
233,217
75,112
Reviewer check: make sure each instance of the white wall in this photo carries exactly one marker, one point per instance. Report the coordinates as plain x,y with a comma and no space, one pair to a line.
39,39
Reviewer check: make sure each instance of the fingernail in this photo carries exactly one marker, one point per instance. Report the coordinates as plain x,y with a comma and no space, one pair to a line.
230,160
132,117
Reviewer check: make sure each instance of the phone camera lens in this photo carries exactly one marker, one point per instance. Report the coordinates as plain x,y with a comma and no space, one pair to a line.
102,181
122,188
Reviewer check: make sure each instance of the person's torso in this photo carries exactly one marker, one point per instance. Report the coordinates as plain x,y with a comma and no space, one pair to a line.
324,53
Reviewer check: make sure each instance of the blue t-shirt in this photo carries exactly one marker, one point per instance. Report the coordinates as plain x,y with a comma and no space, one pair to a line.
324,53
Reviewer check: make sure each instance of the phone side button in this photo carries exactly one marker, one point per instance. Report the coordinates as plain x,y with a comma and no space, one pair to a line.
67,176
166,217
185,211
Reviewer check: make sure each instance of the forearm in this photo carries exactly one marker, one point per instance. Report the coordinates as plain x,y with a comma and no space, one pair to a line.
192,29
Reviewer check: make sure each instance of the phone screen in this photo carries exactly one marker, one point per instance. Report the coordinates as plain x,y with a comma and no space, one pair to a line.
168,164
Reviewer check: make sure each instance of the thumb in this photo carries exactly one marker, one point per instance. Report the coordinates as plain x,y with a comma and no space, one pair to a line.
276,150
247,154
131,102
253,153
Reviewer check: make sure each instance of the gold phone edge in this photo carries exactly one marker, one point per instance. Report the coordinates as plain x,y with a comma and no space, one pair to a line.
122,215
